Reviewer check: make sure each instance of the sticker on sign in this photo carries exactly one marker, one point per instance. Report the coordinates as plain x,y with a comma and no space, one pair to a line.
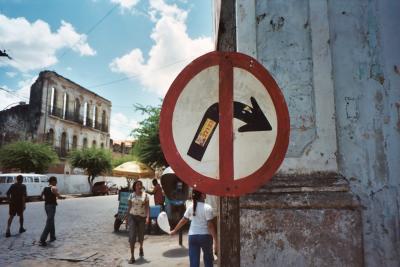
224,124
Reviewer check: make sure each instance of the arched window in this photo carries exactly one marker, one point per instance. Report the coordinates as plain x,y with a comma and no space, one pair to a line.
102,145
50,137
53,101
77,110
94,116
65,106
104,121
84,143
63,147
74,142
94,143
85,113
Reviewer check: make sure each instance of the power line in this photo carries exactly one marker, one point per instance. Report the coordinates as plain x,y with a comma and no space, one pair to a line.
92,28
136,75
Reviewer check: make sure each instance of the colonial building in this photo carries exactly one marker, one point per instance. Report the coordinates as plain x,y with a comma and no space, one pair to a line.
60,112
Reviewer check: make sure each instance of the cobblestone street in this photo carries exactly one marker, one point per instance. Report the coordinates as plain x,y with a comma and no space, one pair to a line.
84,230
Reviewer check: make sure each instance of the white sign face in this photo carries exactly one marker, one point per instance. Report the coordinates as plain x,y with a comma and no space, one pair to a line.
195,122
190,108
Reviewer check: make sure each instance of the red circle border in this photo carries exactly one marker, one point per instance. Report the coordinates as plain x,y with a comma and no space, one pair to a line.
206,184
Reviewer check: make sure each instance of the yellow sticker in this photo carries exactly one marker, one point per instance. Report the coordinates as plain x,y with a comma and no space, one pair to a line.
205,132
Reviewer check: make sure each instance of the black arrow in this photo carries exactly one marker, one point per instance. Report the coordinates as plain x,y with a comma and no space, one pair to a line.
253,117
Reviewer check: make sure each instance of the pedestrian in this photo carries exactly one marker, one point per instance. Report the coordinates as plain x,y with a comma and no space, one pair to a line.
138,215
201,232
16,195
158,194
50,194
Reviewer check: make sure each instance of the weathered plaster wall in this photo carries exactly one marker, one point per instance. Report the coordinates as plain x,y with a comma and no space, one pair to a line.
69,125
338,64
365,43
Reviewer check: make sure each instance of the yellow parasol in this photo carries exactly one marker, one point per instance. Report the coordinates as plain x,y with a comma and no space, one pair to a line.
133,170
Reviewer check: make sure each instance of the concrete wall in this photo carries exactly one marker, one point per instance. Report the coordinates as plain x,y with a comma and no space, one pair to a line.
365,43
338,65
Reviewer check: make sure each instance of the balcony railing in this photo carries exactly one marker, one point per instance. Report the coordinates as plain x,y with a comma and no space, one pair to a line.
72,116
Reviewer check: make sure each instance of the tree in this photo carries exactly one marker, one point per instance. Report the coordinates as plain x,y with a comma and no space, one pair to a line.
27,156
94,161
147,147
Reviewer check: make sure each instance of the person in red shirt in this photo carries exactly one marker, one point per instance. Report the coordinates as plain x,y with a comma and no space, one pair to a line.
158,194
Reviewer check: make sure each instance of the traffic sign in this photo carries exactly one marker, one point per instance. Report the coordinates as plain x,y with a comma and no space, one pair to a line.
224,124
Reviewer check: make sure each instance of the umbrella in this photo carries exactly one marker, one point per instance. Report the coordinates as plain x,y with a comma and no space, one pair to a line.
133,170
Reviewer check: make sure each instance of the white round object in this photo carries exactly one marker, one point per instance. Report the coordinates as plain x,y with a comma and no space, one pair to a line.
163,223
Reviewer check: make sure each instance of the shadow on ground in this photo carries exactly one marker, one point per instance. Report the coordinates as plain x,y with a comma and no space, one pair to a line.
176,252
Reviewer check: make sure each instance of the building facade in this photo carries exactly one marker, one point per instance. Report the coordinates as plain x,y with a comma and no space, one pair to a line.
335,200
60,112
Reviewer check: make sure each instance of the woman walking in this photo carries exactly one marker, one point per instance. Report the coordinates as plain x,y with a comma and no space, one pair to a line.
201,231
138,216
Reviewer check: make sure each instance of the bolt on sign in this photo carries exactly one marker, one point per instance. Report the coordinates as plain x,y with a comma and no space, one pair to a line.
224,124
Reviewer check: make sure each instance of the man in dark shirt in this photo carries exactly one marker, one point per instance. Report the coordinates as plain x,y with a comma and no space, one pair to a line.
16,195
50,195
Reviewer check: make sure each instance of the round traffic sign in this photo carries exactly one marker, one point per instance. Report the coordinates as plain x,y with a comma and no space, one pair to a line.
224,124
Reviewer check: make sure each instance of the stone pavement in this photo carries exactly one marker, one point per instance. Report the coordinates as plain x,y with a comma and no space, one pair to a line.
84,230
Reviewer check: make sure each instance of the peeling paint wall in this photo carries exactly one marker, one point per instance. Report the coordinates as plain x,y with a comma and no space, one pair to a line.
365,44
338,65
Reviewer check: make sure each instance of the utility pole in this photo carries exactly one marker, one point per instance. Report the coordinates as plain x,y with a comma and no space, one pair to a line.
229,209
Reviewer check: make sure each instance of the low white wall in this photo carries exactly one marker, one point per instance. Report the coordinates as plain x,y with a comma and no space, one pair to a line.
78,184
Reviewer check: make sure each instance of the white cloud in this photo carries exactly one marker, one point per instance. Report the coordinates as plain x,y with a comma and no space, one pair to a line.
34,46
126,4
121,127
15,96
172,50
11,74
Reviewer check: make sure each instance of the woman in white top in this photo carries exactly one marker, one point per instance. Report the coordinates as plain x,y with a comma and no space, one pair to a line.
138,215
201,231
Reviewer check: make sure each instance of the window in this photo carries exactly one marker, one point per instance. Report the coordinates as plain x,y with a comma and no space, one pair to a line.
102,145
36,179
28,179
65,106
74,142
50,137
94,116
63,148
104,121
10,179
3,180
53,100
94,143
77,110
85,113
85,142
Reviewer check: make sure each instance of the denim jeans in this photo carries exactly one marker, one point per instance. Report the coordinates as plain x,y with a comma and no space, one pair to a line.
205,242
49,228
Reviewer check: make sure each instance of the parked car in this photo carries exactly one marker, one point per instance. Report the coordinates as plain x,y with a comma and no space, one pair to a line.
100,188
112,188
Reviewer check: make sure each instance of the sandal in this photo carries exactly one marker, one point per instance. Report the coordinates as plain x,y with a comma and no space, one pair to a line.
132,260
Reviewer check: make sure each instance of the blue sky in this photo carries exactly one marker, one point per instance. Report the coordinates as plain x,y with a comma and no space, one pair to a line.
128,51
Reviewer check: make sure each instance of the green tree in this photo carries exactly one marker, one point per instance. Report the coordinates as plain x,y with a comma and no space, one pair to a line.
94,161
27,156
147,147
